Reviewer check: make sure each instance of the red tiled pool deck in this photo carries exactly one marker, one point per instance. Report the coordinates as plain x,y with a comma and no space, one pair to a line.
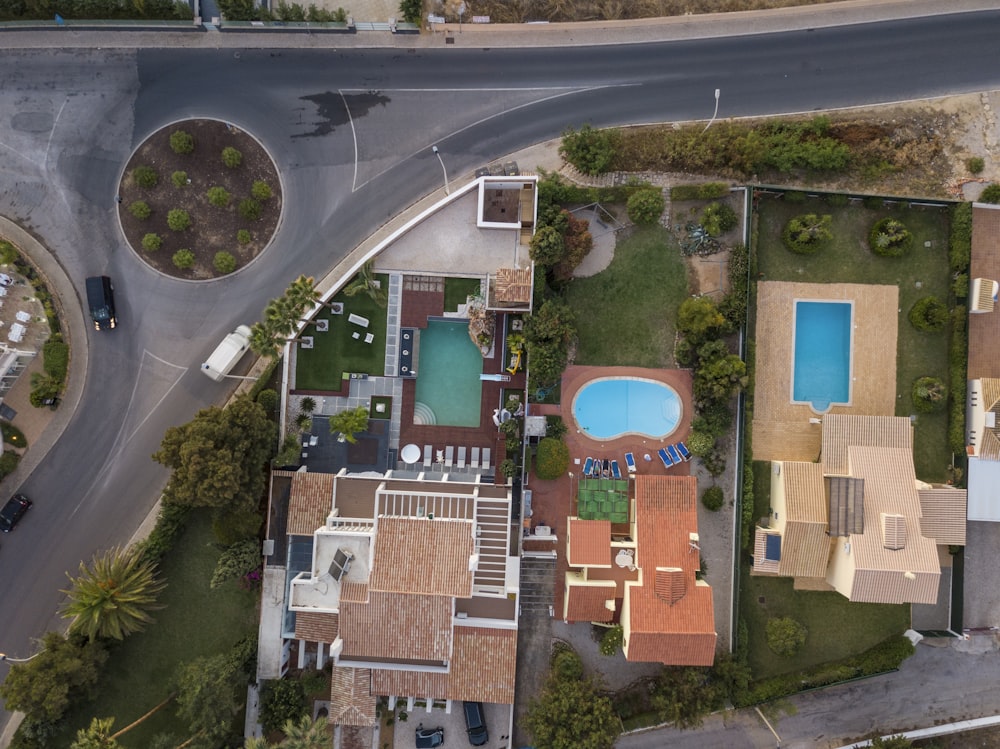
554,501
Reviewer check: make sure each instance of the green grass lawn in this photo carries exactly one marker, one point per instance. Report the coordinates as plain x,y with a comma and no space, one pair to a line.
336,351
923,271
196,621
625,314
458,290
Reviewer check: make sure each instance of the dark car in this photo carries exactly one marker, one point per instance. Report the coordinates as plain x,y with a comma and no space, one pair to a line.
12,511
427,738
101,301
475,723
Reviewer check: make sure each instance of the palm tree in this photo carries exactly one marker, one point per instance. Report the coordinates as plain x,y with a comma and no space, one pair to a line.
282,314
256,742
97,736
113,596
265,340
365,281
349,423
302,292
306,734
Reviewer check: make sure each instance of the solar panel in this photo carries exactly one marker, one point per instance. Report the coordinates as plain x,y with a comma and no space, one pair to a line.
341,564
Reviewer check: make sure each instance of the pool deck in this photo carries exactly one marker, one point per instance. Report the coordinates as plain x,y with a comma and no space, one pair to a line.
781,429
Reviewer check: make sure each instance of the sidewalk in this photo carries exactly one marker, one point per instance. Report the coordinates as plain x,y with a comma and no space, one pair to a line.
674,28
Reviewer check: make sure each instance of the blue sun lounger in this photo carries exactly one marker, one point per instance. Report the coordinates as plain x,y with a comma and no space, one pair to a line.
588,466
667,462
674,455
615,470
685,453
630,462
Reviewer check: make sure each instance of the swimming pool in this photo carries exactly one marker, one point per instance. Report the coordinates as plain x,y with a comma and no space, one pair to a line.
449,391
821,360
616,406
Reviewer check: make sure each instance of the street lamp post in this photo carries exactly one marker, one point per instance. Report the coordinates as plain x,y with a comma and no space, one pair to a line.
447,190
717,92
4,658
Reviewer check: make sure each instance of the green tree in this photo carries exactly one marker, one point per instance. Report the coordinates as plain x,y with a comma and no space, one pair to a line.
366,281
183,259
547,246
807,233
231,157
98,735
589,150
66,670
218,196
700,443
236,561
306,733
140,209
552,458
281,700
112,597
181,142
180,179
548,333
720,374
266,340
929,394
145,176
684,696
928,314
645,207
699,319
571,714
208,696
218,458
224,262
249,209
990,194
243,236
350,422
785,636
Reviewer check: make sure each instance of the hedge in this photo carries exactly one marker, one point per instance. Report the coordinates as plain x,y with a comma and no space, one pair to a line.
704,191
957,365
960,241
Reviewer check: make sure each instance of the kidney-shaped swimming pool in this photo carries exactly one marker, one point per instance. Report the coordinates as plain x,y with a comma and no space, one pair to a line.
617,406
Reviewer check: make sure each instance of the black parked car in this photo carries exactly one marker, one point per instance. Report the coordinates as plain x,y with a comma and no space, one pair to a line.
12,511
475,723
428,738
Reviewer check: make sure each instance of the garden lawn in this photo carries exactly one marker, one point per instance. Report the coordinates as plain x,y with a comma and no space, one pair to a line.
195,621
458,290
921,272
625,314
336,351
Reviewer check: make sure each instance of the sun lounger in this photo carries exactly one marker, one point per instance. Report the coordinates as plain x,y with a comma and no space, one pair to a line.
449,456
486,459
588,466
428,455
630,462
474,463
615,470
685,453
606,468
674,455
667,462
461,457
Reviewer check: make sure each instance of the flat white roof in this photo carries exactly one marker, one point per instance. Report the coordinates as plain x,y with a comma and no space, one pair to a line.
984,490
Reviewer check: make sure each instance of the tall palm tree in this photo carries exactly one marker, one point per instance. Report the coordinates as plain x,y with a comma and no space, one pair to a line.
256,742
113,597
307,734
97,736
265,340
366,281
302,292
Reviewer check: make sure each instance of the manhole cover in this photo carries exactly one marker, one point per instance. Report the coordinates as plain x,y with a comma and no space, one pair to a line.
761,599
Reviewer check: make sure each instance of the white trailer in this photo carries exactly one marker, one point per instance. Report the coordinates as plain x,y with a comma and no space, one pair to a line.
227,353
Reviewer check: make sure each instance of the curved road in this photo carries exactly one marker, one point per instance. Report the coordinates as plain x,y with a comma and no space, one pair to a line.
351,131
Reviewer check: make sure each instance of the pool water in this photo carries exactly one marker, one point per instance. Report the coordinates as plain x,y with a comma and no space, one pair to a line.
449,391
821,374
616,406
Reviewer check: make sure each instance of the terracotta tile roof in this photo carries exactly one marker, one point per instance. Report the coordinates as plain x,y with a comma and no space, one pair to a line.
911,573
805,545
313,626
589,543
482,669
943,515
670,584
841,431
353,592
351,700
417,555
683,632
397,626
513,285
310,502
588,602
987,440
984,329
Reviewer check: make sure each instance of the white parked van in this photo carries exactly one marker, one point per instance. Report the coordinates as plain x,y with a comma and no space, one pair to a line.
227,353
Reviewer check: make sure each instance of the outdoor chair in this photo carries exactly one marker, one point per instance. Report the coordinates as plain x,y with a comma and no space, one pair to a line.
428,455
630,462
674,455
486,459
615,470
474,462
588,466
461,457
667,462
685,453
449,456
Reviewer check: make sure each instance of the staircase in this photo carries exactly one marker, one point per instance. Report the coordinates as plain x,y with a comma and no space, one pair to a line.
538,584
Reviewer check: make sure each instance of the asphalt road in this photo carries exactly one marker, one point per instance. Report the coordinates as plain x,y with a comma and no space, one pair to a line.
351,132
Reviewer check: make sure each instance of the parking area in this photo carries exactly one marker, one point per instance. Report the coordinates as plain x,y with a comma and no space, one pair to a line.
497,723
982,597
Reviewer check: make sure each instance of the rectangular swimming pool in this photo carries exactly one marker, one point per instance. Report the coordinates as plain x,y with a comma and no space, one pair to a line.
821,359
449,391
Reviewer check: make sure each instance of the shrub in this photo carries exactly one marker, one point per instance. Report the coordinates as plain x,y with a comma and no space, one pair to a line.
231,157
55,357
178,219
991,194
928,314
873,202
281,700
795,197
507,468
589,150
224,262
181,142
785,636
250,209
12,435
975,164
713,498
566,665
179,178
151,242
307,405
268,400
807,233
183,259
145,176
704,191
890,238
718,218
140,209
218,196
611,640
411,10
243,236
8,462
929,394
960,239
8,252
838,199
260,190
646,206
700,443
552,458
958,345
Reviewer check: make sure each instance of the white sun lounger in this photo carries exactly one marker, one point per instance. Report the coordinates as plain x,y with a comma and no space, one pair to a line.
474,462
461,457
486,459
449,456
428,455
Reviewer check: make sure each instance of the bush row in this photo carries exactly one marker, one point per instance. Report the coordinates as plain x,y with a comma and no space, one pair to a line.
46,10
703,191
247,10
958,352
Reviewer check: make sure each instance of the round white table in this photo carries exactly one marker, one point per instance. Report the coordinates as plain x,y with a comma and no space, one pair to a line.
410,453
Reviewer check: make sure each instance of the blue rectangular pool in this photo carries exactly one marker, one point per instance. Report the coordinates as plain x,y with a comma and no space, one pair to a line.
821,363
